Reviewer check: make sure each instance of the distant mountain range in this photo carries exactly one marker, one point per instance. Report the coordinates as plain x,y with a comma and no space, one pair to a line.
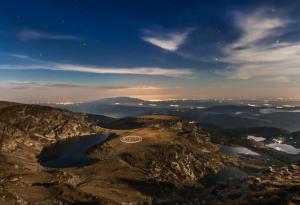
224,113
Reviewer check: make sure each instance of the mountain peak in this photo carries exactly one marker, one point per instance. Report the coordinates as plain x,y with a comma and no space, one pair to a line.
120,99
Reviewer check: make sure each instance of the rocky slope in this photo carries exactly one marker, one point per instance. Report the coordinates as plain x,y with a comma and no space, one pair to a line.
35,125
4,104
274,185
168,165
172,156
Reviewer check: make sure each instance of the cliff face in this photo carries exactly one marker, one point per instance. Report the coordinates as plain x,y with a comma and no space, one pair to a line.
33,125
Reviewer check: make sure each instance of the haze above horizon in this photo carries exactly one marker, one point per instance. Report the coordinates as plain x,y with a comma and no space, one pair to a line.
77,51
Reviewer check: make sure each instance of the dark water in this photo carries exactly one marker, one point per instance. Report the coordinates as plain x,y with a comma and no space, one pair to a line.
72,152
227,173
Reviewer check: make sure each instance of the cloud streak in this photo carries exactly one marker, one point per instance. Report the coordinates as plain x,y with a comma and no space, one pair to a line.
170,41
30,35
174,72
152,71
257,53
47,91
20,85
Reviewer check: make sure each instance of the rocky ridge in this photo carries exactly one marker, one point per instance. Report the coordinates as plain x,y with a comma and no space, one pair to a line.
166,167
34,125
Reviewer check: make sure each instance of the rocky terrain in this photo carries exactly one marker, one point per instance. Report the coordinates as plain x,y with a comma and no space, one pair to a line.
168,166
274,185
33,125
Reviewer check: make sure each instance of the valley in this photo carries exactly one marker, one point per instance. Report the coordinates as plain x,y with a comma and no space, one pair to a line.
54,156
282,114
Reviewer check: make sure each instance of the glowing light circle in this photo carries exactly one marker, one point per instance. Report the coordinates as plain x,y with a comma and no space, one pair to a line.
131,139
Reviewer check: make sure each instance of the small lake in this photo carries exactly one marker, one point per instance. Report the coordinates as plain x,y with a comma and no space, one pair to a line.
289,149
227,173
228,150
70,152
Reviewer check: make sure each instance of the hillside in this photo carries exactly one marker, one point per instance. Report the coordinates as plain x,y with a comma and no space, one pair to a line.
151,159
4,104
35,124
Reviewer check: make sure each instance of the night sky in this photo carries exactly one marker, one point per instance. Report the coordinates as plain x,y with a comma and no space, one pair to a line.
81,50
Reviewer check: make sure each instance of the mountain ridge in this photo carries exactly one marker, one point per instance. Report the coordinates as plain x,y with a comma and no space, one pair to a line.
168,165
21,123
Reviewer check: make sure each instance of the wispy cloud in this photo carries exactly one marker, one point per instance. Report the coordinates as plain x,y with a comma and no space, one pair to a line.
170,41
256,27
153,71
29,35
20,85
20,56
47,91
261,52
173,72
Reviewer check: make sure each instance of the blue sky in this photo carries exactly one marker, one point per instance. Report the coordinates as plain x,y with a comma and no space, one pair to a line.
85,50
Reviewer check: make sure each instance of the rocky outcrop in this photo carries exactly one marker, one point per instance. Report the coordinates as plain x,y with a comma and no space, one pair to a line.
172,156
187,159
32,125
179,164
275,185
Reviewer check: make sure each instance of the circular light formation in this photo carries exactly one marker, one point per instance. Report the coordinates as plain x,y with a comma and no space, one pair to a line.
131,139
